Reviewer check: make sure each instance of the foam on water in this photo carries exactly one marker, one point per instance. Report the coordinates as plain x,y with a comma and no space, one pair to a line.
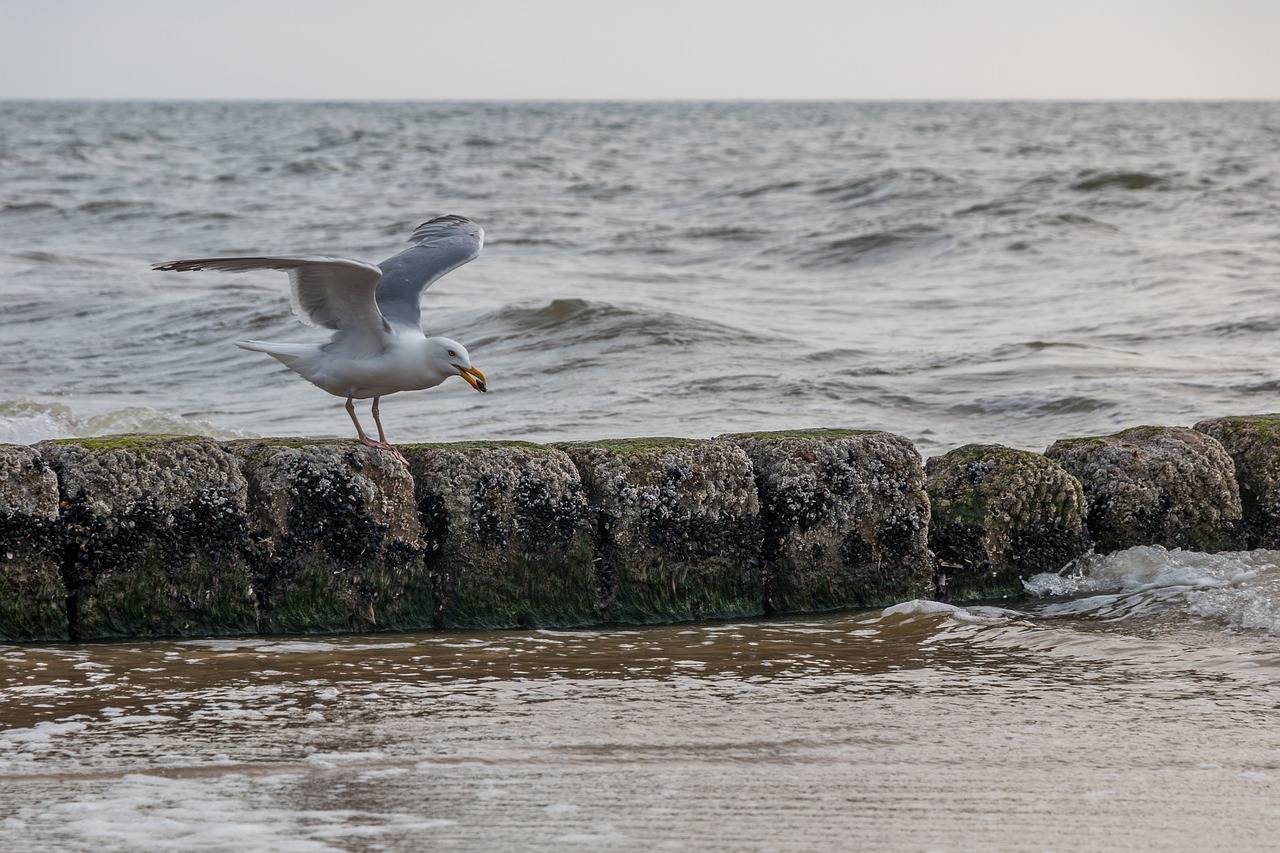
1238,590
26,422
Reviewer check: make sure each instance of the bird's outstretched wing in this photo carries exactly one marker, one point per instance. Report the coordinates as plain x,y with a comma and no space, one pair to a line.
442,244
332,293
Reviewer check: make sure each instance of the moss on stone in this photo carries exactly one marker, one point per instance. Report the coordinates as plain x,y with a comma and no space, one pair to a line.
337,542
1253,442
1064,444
124,441
1168,486
677,528
629,446
293,441
844,518
998,515
154,537
507,535
470,446
821,433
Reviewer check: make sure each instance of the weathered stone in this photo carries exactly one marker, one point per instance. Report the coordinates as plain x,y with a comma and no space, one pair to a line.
677,528
1253,442
155,535
845,518
33,597
507,533
1169,486
999,515
336,541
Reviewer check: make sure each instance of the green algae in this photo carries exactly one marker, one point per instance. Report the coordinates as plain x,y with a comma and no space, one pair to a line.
821,433
530,591
678,592
1253,442
156,598
630,446
33,599
470,446
1065,444
998,515
322,598
128,441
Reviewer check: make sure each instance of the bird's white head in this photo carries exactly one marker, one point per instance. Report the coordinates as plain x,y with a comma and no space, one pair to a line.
456,356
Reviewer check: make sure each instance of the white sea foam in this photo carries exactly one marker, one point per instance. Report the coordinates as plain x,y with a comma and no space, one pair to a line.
1238,589
26,422
974,614
231,812
40,733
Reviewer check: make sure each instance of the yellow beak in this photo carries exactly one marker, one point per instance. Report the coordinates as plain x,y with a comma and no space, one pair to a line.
473,376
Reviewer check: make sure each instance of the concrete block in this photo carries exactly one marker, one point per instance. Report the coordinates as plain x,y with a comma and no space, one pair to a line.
155,535
1253,442
508,535
678,533
999,515
33,596
336,540
1150,485
845,518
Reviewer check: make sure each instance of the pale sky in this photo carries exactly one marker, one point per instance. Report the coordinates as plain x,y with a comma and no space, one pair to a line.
655,49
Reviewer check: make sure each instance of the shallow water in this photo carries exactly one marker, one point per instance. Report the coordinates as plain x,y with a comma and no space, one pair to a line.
1127,708
950,272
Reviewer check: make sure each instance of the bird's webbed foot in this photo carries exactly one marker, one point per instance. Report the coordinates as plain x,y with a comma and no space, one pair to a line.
382,445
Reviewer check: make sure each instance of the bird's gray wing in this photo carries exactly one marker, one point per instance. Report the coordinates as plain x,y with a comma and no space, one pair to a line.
441,244
332,293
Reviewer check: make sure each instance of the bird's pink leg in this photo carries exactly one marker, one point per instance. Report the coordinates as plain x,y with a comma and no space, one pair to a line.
369,442
382,436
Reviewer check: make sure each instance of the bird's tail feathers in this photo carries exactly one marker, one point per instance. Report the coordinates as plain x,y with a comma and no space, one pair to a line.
283,352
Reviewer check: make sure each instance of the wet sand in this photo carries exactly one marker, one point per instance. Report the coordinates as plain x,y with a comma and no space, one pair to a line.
889,730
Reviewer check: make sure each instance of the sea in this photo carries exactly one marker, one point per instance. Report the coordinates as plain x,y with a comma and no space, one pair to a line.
957,272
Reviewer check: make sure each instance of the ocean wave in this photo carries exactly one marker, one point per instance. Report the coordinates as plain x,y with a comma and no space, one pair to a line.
1238,589
1074,221
52,258
729,234
1133,180
1033,405
564,323
872,246
312,166
970,615
24,208
118,208
890,184
29,421
765,189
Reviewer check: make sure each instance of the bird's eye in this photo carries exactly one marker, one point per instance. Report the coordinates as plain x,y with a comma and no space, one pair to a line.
452,354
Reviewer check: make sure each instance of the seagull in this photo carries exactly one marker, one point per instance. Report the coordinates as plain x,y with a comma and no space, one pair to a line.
378,346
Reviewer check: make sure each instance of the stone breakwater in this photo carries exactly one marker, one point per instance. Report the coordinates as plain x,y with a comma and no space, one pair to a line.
149,536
